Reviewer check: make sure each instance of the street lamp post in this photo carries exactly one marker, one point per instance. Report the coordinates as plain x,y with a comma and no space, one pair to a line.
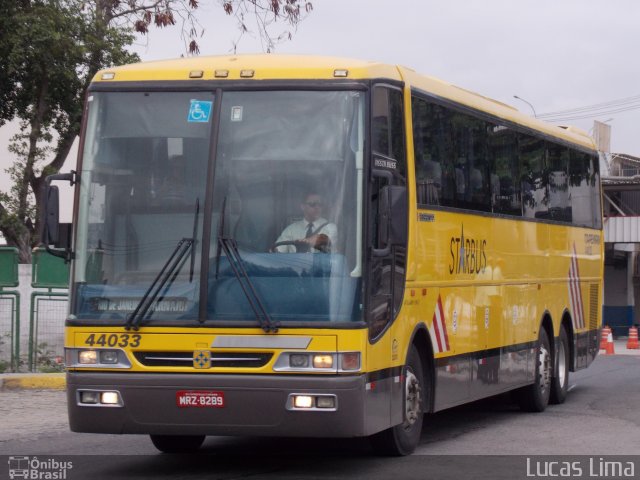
523,100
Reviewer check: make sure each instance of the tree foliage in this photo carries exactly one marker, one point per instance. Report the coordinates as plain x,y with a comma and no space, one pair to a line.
50,50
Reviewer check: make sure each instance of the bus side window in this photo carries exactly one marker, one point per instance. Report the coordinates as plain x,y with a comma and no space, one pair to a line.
534,179
427,151
559,202
387,129
506,197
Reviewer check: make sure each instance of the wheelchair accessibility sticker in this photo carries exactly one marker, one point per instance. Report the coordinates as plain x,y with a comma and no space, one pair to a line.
199,111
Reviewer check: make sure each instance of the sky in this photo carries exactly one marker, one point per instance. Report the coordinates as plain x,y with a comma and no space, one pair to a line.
555,54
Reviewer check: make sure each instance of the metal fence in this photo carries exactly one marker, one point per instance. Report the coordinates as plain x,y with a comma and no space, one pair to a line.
46,331
34,340
9,310
7,332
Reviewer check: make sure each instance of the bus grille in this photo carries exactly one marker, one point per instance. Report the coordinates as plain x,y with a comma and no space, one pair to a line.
185,359
593,306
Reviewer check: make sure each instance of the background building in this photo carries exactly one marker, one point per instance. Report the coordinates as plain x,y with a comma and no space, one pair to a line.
621,189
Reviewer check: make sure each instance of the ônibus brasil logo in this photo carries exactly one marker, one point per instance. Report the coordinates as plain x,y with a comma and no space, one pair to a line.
37,469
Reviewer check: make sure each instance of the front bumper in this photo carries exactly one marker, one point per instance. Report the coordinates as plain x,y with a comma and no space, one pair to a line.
254,405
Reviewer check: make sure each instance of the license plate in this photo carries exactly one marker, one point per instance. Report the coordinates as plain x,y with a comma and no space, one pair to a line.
186,399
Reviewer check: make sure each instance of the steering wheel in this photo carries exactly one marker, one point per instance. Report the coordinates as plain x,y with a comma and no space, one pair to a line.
296,244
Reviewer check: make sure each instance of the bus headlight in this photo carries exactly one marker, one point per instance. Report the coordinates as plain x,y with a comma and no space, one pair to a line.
110,398
303,401
299,360
96,358
87,357
109,356
350,361
99,398
323,361
316,402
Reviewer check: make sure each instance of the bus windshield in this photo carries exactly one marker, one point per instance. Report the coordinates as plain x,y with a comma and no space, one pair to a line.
284,208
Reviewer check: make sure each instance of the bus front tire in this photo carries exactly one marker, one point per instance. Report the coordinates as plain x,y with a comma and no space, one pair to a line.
535,397
177,443
560,381
403,439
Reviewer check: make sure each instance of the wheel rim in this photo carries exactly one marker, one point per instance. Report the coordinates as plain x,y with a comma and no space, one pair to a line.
544,368
562,365
413,399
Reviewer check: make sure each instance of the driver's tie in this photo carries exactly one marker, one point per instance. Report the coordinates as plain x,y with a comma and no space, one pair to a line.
303,247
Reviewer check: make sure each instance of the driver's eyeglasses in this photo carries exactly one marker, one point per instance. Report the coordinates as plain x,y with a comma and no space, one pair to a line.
314,204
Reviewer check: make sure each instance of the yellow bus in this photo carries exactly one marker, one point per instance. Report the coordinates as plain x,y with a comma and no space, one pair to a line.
322,247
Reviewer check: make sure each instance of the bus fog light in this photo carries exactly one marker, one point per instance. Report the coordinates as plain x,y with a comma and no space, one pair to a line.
110,398
350,361
87,357
326,402
303,401
323,361
89,397
109,356
298,360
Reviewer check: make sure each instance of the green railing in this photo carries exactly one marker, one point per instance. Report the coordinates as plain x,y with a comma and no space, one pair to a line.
9,317
48,310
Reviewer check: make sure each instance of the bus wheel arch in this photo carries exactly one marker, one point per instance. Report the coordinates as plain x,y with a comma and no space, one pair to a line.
422,342
417,377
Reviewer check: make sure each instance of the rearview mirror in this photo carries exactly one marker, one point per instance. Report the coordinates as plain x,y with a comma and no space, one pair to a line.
51,232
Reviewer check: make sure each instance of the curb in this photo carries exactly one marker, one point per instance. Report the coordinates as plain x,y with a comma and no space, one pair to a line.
50,381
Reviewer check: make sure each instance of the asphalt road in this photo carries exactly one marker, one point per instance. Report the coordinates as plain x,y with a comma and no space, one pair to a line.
601,417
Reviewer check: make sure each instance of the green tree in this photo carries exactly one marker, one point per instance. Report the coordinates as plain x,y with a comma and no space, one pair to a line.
50,50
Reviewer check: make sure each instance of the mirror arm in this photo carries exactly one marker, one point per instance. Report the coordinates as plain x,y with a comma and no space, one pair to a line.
72,177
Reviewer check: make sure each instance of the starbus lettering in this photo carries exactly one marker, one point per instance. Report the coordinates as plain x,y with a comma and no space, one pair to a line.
468,255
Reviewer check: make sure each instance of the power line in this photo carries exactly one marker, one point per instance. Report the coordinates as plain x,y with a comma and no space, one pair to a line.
589,111
591,115
596,106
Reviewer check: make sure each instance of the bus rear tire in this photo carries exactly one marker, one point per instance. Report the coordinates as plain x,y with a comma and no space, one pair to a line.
177,443
403,439
535,397
560,381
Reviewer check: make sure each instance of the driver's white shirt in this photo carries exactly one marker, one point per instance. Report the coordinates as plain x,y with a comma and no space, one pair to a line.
298,231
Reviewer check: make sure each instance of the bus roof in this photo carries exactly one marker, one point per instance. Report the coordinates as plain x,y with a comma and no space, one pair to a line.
308,67
265,67
447,91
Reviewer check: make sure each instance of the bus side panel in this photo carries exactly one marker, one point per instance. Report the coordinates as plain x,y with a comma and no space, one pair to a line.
577,262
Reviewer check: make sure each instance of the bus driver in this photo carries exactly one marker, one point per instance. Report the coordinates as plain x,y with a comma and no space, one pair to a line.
312,233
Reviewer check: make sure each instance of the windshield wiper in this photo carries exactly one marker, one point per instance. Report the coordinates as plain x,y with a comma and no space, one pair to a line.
166,276
230,247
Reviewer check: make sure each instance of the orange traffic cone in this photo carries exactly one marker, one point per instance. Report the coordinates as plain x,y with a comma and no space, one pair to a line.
606,331
609,350
632,342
